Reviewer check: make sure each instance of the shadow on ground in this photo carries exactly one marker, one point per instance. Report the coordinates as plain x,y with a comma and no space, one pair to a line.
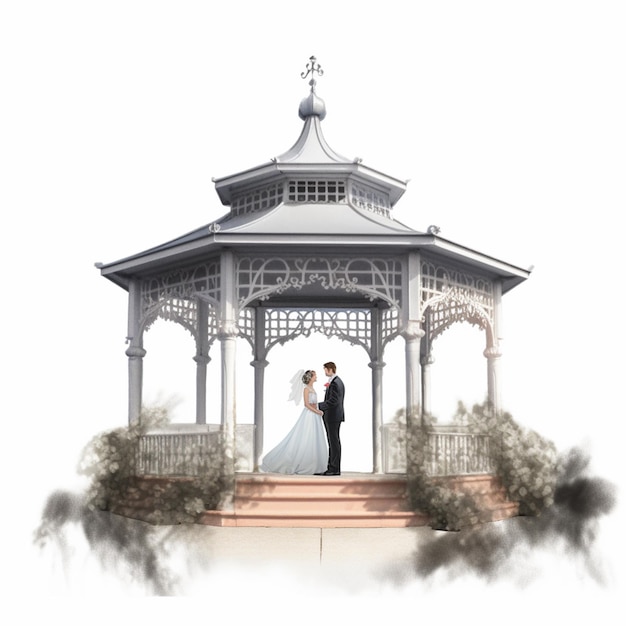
494,551
144,553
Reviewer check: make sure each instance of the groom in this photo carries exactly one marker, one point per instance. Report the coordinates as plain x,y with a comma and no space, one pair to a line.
333,416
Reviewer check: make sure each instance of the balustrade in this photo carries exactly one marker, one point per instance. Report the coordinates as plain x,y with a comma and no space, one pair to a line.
185,450
453,453
451,450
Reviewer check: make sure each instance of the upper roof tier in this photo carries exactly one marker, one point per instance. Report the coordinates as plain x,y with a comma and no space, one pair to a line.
308,199
309,172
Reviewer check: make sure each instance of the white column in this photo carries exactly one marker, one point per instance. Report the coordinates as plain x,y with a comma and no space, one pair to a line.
493,353
259,387
426,361
202,359
135,353
412,336
259,363
227,336
377,415
228,339
412,333
377,365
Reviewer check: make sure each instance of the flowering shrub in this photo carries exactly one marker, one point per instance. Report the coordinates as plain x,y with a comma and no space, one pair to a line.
525,463
446,508
109,461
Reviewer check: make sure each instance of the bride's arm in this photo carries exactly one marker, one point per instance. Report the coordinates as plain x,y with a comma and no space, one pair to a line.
308,405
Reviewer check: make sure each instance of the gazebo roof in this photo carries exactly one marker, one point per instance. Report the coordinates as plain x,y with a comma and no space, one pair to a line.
306,199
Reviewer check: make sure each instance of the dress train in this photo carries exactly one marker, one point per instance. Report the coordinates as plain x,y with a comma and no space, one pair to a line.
304,450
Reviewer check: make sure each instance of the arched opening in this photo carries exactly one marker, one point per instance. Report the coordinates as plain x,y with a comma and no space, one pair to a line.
352,366
459,370
169,370
394,379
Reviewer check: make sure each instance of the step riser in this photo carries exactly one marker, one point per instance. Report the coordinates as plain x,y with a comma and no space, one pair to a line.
318,492
317,506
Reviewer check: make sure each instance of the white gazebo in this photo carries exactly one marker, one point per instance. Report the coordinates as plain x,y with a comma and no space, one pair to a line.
310,244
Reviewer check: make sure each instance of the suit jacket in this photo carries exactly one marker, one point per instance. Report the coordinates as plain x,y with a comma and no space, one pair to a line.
333,401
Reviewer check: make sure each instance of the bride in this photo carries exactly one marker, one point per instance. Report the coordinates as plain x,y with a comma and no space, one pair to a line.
304,449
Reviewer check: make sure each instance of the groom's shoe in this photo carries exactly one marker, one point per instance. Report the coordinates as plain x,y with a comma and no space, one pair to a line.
329,473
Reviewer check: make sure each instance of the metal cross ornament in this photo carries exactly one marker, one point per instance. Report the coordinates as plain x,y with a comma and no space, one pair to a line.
312,68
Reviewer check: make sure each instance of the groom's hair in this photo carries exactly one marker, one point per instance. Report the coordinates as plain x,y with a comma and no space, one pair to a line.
330,366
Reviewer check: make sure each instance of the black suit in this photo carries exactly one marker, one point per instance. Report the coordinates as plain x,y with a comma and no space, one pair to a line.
333,416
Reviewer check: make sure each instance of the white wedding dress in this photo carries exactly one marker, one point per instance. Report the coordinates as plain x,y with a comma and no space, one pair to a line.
304,450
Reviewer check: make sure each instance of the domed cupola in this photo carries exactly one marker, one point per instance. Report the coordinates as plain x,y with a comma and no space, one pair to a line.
312,104
309,173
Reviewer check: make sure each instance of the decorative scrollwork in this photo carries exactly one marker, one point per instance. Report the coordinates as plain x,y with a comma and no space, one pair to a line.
259,278
457,305
312,68
450,295
353,326
173,296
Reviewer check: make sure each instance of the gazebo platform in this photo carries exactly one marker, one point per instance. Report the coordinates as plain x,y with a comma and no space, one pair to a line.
352,500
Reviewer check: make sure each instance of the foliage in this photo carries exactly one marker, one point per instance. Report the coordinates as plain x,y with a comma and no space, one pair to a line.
446,508
525,463
109,461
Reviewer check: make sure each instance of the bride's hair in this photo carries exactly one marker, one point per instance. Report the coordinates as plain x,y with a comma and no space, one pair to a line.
306,377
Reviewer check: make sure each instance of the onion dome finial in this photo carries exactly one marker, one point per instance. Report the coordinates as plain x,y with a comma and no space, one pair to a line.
312,104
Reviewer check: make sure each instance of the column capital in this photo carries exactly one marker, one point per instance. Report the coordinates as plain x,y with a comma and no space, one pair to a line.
377,365
492,352
228,330
135,351
202,359
259,363
412,331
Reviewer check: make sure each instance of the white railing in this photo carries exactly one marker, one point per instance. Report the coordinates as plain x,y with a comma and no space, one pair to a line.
452,451
185,449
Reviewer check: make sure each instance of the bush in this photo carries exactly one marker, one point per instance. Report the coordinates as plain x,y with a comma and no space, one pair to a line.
109,461
525,463
446,508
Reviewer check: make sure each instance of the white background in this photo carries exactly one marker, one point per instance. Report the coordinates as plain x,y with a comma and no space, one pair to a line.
508,119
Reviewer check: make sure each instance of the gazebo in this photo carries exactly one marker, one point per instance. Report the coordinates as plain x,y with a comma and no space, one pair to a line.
309,244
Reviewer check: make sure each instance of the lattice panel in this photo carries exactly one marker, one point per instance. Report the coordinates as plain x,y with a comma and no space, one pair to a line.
353,326
451,295
246,325
316,191
369,199
183,312
260,277
173,296
390,322
257,200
